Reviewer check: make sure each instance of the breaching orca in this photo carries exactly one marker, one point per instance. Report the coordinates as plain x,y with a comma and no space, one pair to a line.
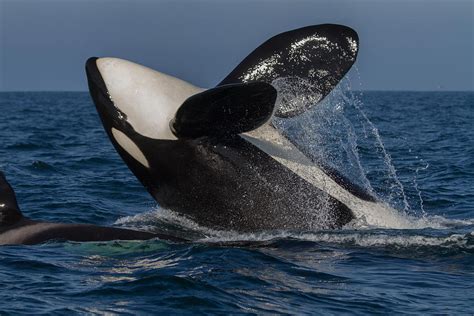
17,229
214,155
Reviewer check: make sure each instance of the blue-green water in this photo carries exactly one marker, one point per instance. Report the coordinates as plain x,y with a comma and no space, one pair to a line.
414,150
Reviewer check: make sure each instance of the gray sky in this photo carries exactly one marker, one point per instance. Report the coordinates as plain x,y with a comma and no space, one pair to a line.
405,45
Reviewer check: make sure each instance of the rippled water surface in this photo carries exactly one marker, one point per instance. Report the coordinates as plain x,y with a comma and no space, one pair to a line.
414,150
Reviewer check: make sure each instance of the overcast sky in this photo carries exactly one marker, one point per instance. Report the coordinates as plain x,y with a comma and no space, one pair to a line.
405,45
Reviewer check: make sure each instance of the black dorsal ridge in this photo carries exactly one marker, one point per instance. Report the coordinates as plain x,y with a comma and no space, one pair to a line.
9,211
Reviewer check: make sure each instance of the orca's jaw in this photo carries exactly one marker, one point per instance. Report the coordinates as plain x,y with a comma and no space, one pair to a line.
110,115
120,131
144,98
135,102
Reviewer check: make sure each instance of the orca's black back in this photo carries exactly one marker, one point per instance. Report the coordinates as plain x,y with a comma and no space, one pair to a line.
9,211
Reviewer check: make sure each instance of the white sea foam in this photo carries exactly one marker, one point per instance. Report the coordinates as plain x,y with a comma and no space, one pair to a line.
361,239
384,240
354,234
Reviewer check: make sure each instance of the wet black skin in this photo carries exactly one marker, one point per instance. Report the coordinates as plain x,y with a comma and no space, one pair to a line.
229,110
224,181
17,229
321,64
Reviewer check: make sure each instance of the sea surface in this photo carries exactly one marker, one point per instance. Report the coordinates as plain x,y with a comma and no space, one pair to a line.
414,150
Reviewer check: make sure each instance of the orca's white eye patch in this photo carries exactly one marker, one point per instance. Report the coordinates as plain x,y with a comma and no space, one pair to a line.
130,147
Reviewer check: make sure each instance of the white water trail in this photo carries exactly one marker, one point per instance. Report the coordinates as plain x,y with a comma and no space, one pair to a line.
352,236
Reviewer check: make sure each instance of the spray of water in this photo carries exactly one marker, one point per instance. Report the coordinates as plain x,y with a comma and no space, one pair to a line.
323,132
350,236
386,156
327,135
417,190
397,190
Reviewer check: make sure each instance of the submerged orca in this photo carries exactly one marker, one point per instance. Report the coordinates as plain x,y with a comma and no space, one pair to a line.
214,155
17,229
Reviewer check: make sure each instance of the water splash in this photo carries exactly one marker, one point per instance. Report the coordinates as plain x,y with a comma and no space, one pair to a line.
417,190
419,232
354,77
356,103
323,132
329,137
363,239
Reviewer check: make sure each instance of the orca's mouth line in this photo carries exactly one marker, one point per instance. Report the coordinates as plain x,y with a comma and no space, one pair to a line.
104,104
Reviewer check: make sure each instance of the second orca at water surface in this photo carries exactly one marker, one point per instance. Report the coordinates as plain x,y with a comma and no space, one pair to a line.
16,229
213,155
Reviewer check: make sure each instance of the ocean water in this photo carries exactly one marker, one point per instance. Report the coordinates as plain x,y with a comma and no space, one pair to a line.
414,150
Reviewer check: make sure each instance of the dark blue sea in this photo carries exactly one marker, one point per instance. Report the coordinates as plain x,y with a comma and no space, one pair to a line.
414,150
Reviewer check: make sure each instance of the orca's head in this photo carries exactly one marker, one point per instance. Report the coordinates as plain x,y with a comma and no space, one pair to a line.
135,102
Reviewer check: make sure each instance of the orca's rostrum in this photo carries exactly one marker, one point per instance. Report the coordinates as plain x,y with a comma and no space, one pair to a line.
213,155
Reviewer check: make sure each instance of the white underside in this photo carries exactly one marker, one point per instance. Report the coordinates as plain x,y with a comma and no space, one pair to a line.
269,140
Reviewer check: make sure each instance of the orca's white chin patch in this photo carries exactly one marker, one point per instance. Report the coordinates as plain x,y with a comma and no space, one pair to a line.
149,99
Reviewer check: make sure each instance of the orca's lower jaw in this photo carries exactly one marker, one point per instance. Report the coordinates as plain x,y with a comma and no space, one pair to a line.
121,133
109,114
136,104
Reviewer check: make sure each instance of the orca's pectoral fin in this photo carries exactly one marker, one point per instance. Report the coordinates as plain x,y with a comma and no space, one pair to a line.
314,58
9,211
226,110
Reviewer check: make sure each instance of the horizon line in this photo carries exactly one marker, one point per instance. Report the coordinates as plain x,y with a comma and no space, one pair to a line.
358,90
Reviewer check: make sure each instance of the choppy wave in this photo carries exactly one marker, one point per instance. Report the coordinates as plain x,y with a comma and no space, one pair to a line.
422,264
431,231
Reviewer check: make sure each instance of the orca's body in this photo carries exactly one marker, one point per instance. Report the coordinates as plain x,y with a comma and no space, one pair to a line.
17,229
213,155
